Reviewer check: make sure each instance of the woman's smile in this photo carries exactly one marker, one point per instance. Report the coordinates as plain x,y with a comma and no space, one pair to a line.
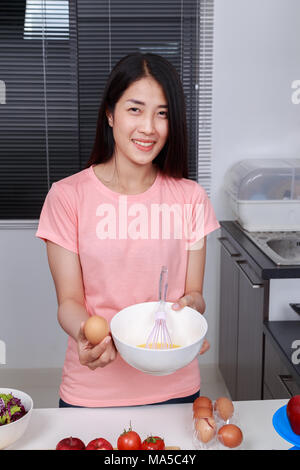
144,145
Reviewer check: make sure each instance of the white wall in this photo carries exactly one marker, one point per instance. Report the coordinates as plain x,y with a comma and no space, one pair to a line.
257,45
256,59
28,309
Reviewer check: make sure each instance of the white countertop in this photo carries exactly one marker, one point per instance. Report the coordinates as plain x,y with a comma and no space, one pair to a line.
172,422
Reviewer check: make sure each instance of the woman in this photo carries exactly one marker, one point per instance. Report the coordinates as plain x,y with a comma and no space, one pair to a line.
106,245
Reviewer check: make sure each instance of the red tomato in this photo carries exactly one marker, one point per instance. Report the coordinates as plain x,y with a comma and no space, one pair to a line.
153,443
129,440
99,444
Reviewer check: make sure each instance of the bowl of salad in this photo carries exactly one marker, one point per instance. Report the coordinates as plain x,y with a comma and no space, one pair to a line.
15,412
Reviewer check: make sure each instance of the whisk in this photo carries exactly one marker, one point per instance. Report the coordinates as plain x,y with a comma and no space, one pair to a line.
159,337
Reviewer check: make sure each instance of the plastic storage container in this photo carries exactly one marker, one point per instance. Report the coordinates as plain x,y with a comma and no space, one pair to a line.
265,194
206,429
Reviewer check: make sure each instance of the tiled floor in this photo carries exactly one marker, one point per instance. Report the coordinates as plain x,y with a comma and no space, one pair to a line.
43,385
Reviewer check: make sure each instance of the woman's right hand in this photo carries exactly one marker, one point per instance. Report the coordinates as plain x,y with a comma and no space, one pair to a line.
99,355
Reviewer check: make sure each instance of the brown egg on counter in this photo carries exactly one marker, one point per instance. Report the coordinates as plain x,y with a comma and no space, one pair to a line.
224,408
230,435
203,402
95,329
206,429
202,412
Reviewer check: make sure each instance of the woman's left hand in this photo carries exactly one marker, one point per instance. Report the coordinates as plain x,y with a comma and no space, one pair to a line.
194,300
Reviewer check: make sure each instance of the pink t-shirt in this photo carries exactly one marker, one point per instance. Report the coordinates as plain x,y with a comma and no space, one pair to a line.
122,242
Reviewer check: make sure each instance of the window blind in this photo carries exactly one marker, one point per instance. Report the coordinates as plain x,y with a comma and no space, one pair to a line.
39,121
205,85
55,56
108,30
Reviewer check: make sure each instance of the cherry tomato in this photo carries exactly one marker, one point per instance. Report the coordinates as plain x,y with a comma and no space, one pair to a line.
129,440
153,443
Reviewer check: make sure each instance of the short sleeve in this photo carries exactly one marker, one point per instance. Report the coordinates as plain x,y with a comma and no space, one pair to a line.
58,219
201,219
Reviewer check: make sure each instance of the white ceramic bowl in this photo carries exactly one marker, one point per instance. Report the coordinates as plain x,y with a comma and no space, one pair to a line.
131,327
10,433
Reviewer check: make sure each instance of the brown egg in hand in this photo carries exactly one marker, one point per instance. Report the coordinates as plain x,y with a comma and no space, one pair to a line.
230,435
95,329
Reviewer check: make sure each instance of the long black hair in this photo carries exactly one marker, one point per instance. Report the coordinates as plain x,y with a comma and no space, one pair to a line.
172,159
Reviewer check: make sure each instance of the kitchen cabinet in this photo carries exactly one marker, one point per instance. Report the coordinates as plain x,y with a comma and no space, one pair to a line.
247,361
241,317
281,359
228,318
277,378
250,338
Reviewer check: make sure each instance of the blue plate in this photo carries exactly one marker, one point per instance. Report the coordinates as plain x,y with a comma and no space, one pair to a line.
283,427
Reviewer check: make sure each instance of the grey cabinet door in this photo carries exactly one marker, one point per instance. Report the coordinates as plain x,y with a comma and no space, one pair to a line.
277,379
228,326
250,335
